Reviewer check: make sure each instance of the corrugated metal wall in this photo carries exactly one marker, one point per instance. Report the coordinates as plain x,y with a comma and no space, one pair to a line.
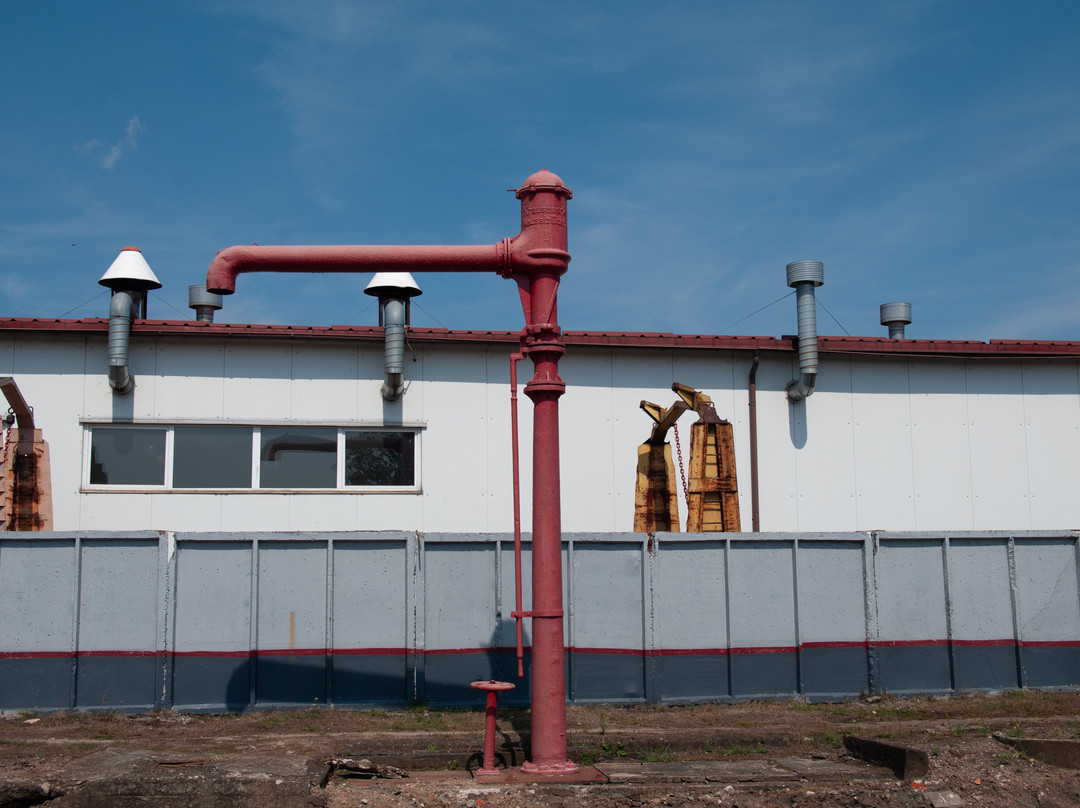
218,621
928,443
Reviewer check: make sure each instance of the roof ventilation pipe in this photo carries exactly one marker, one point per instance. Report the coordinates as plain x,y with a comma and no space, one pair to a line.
205,303
895,316
805,276
130,279
394,289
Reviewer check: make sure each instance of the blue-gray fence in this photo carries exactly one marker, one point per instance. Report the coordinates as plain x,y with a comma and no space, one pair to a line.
216,621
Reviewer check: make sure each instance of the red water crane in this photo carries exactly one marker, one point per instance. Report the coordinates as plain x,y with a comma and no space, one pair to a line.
536,258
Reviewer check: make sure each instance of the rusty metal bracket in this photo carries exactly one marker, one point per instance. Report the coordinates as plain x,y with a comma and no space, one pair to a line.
24,413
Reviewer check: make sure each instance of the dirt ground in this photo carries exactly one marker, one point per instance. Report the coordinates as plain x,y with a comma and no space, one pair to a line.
747,755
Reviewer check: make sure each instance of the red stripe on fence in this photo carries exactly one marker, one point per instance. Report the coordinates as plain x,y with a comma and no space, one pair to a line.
908,643
1050,643
983,643
659,652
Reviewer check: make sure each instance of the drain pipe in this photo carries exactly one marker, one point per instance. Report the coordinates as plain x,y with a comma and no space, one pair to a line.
393,290
805,276
755,512
130,279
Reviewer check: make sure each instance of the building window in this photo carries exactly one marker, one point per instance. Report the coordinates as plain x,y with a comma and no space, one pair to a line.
122,456
298,458
250,458
380,458
211,457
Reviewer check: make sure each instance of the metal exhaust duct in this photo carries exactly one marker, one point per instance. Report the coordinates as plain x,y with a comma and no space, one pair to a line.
394,289
130,279
205,303
895,316
123,308
805,276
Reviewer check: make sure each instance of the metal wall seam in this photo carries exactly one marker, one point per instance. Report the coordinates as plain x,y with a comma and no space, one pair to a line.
800,685
1021,669
500,641
253,622
569,624
166,628
651,637
416,691
75,610
727,613
873,639
1076,545
950,646
328,643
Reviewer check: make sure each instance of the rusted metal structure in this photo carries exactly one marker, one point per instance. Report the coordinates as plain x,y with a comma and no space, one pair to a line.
535,259
712,493
656,500
25,479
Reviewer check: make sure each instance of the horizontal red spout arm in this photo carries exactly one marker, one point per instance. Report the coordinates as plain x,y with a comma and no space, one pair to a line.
221,276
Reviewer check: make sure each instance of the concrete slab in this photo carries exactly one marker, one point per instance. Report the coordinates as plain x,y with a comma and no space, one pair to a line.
944,799
121,776
1056,752
700,771
813,769
104,764
584,775
906,762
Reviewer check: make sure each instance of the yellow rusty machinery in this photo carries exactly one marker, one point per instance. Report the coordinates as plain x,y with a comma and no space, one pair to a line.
25,480
712,492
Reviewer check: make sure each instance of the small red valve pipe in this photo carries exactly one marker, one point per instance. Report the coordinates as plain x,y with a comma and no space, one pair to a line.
492,689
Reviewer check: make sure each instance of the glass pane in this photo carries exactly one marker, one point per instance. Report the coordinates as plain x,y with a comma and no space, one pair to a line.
298,458
379,458
124,456
212,457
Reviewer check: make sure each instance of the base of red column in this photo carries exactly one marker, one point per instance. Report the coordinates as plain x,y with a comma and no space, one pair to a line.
550,769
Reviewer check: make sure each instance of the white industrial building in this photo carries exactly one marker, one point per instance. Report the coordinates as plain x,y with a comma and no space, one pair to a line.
899,434
219,503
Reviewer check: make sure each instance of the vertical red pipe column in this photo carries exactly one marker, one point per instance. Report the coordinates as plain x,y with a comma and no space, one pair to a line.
541,250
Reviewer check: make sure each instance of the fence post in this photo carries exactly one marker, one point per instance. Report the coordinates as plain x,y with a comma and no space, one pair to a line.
870,551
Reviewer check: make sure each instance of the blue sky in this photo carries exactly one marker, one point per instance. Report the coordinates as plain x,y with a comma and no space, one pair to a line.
924,151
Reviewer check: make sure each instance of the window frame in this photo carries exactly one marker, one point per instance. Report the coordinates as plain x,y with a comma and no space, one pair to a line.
89,425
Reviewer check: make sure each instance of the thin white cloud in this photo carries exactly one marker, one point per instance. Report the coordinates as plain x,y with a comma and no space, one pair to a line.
109,154
14,287
1038,319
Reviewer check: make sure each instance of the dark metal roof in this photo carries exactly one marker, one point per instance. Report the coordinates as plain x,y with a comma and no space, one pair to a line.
882,346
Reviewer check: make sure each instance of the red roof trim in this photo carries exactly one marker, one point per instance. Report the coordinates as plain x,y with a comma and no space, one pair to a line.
833,345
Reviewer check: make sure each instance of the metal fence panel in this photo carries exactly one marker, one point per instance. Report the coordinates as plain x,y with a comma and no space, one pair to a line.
231,621
212,624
